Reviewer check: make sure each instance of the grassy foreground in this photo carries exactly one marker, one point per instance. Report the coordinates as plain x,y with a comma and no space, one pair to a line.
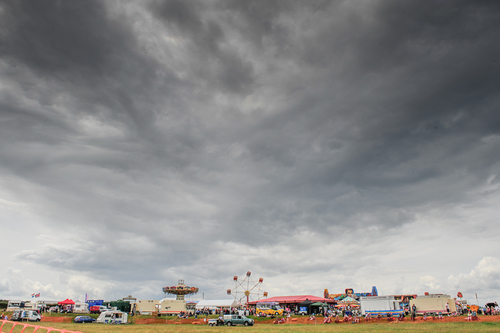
372,327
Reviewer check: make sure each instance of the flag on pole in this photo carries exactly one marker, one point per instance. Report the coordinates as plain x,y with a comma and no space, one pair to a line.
85,297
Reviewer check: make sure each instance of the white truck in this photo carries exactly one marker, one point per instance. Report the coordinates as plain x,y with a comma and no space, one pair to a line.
382,305
22,305
98,309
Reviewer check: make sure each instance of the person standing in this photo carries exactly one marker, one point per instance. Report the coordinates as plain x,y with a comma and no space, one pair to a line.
413,312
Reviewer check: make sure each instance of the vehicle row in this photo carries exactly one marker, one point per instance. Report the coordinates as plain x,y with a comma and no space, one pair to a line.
107,317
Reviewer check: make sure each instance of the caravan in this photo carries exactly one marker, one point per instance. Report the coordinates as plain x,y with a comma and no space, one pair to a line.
81,307
112,317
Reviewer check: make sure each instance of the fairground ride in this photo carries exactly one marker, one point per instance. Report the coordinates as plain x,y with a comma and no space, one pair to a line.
247,289
180,290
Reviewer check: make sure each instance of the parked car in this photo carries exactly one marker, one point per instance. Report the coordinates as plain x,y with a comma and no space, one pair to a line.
231,320
84,319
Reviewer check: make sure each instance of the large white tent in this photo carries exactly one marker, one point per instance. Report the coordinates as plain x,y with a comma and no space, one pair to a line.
217,303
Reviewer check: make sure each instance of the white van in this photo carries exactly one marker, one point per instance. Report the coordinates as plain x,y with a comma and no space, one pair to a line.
25,315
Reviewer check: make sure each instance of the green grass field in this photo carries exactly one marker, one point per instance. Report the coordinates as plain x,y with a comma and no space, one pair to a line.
372,327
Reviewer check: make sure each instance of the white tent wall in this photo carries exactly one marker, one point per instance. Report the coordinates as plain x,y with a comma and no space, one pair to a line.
221,303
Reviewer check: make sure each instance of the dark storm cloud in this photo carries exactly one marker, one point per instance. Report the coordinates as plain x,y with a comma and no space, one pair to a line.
72,41
406,93
82,50
214,62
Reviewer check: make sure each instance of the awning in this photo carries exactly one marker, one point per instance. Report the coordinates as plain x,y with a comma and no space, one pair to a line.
348,299
319,304
294,299
346,305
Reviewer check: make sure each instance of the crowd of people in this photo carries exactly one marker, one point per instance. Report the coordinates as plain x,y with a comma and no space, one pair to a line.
350,315
345,314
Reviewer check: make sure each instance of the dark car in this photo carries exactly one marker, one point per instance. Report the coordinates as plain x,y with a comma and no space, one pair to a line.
84,319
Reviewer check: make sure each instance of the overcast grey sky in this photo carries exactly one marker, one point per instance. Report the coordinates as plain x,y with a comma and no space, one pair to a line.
318,144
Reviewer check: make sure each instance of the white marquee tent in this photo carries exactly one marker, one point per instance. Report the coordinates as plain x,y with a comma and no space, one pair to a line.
218,303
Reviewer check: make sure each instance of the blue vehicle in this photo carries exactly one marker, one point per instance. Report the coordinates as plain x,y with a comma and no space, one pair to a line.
84,319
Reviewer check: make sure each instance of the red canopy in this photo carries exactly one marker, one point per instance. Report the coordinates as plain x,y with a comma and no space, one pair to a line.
66,302
294,299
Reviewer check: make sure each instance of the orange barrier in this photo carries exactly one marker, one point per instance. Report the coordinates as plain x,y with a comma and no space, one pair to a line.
57,319
36,327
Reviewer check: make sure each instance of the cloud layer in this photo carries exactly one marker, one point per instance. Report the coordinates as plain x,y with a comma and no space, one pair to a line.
318,145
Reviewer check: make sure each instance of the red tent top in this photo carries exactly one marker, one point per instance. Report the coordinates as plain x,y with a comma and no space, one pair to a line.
66,302
294,299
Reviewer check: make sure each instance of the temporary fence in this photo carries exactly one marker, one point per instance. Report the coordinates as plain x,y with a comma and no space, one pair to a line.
36,327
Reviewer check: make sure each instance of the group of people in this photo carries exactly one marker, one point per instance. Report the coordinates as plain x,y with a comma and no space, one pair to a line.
334,318
491,309
355,318
211,311
471,315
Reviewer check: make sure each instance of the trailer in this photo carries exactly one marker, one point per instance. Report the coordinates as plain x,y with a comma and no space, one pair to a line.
433,303
13,305
382,305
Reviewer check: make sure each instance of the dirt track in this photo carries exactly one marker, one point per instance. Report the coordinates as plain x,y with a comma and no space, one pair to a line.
301,320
